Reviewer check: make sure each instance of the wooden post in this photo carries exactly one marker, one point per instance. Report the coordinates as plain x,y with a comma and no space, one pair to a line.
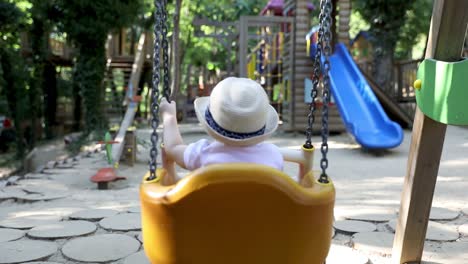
132,106
445,42
243,32
344,14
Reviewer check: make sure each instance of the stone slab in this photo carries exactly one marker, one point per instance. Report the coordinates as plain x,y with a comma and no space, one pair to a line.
465,211
28,222
7,234
463,229
439,214
370,214
35,197
25,250
140,237
41,186
435,231
65,166
134,209
374,242
93,214
10,192
100,248
441,232
341,254
43,262
353,226
35,176
63,229
458,250
61,171
137,258
122,222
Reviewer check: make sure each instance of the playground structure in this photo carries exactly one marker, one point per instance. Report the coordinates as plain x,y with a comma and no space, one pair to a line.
362,113
279,61
242,229
428,138
274,53
445,45
287,80
439,95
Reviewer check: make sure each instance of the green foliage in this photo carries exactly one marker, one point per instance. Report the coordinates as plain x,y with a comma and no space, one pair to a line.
200,51
415,29
12,69
395,28
392,23
386,18
357,24
87,24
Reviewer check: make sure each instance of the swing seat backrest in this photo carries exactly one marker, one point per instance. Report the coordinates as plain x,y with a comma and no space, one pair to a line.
237,214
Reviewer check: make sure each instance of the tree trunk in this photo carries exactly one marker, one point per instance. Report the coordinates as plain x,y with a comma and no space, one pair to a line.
175,51
16,97
77,111
89,76
383,63
50,98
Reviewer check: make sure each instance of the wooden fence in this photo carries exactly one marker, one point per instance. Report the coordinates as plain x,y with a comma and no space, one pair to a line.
401,90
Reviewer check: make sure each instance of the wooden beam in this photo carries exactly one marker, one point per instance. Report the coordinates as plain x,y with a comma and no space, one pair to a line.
131,106
445,42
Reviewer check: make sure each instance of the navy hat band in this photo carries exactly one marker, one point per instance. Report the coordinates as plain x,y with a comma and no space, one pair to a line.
230,134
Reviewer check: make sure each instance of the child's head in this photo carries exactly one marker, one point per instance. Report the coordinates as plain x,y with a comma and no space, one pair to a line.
237,113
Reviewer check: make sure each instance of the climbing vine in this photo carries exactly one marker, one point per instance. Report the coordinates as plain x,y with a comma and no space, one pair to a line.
13,75
87,23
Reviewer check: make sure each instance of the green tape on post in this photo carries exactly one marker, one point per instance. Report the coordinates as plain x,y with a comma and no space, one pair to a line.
442,91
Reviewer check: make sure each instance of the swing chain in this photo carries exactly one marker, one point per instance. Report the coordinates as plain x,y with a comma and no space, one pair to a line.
160,28
327,37
155,90
323,48
314,91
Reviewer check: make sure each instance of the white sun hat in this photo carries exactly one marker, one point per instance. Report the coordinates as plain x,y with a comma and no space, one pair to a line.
237,113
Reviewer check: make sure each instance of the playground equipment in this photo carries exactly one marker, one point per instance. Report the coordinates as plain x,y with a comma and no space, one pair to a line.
359,108
435,99
265,64
131,100
105,175
237,213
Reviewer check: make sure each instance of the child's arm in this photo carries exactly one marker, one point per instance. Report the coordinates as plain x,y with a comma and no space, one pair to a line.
173,144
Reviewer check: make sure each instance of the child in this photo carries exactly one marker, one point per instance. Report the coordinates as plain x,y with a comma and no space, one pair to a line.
239,118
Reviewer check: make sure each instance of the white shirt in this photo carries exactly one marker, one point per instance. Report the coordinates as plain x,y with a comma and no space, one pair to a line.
204,152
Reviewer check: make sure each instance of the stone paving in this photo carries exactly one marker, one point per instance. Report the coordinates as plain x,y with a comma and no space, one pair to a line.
58,216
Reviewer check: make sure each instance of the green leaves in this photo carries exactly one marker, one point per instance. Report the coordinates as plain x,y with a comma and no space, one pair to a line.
395,22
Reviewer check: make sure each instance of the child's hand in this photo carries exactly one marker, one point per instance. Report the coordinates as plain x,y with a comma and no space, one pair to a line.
167,109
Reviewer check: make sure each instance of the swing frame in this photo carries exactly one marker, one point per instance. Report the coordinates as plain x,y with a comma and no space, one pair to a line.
445,42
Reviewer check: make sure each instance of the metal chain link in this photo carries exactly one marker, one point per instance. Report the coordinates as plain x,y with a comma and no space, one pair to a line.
314,92
323,48
155,90
326,7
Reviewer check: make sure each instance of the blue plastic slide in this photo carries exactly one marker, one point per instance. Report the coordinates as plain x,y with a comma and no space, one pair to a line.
360,110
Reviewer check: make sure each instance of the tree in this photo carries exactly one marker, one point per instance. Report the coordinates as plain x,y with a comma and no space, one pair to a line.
176,47
208,52
13,75
88,23
386,19
418,19
43,88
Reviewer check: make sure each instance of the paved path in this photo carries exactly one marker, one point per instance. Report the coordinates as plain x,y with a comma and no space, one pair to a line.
59,216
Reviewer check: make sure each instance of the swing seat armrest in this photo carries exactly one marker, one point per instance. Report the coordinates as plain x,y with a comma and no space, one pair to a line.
303,157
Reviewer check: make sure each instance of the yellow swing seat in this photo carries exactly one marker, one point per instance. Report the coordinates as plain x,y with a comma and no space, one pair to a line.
238,213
